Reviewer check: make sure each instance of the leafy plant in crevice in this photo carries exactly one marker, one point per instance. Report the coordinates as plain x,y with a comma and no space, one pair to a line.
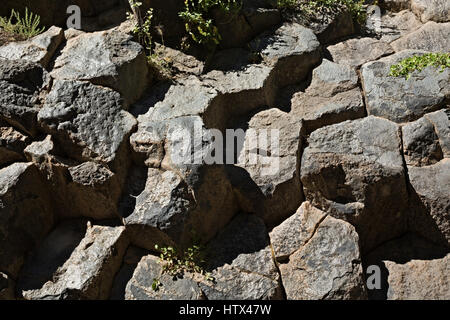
142,28
175,263
143,31
199,25
312,8
26,26
405,67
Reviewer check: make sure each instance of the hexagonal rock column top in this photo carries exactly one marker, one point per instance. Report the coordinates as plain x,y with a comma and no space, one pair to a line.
419,280
324,259
431,185
89,270
292,50
354,171
88,122
270,153
401,100
332,97
356,52
21,86
26,214
39,49
426,146
427,141
107,58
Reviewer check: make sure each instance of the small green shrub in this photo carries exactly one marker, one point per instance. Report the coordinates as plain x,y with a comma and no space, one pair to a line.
313,7
419,62
199,26
175,264
26,26
142,28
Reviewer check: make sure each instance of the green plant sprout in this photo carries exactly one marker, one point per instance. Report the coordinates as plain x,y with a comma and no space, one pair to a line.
201,28
312,7
419,62
26,27
175,264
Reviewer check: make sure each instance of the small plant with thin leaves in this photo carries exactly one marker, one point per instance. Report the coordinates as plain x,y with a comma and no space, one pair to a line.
175,264
26,26
312,8
407,66
142,28
199,25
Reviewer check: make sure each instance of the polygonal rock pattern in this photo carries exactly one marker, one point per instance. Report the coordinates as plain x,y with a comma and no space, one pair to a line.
161,210
39,49
243,244
187,159
89,271
241,263
354,171
431,185
431,36
20,84
326,263
167,178
270,154
113,61
296,231
431,10
78,190
149,269
93,191
26,214
87,122
396,25
419,280
401,100
427,141
292,50
332,97
356,52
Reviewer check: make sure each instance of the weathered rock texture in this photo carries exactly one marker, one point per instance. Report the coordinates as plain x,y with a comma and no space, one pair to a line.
331,165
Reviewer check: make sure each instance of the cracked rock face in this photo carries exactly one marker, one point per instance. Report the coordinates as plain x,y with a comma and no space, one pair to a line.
326,263
406,281
354,170
240,263
39,49
89,270
274,167
427,140
338,166
401,100
332,97
21,97
26,214
356,52
74,110
109,59
430,183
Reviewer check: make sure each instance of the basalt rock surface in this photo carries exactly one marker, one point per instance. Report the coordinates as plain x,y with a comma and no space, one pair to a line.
283,163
